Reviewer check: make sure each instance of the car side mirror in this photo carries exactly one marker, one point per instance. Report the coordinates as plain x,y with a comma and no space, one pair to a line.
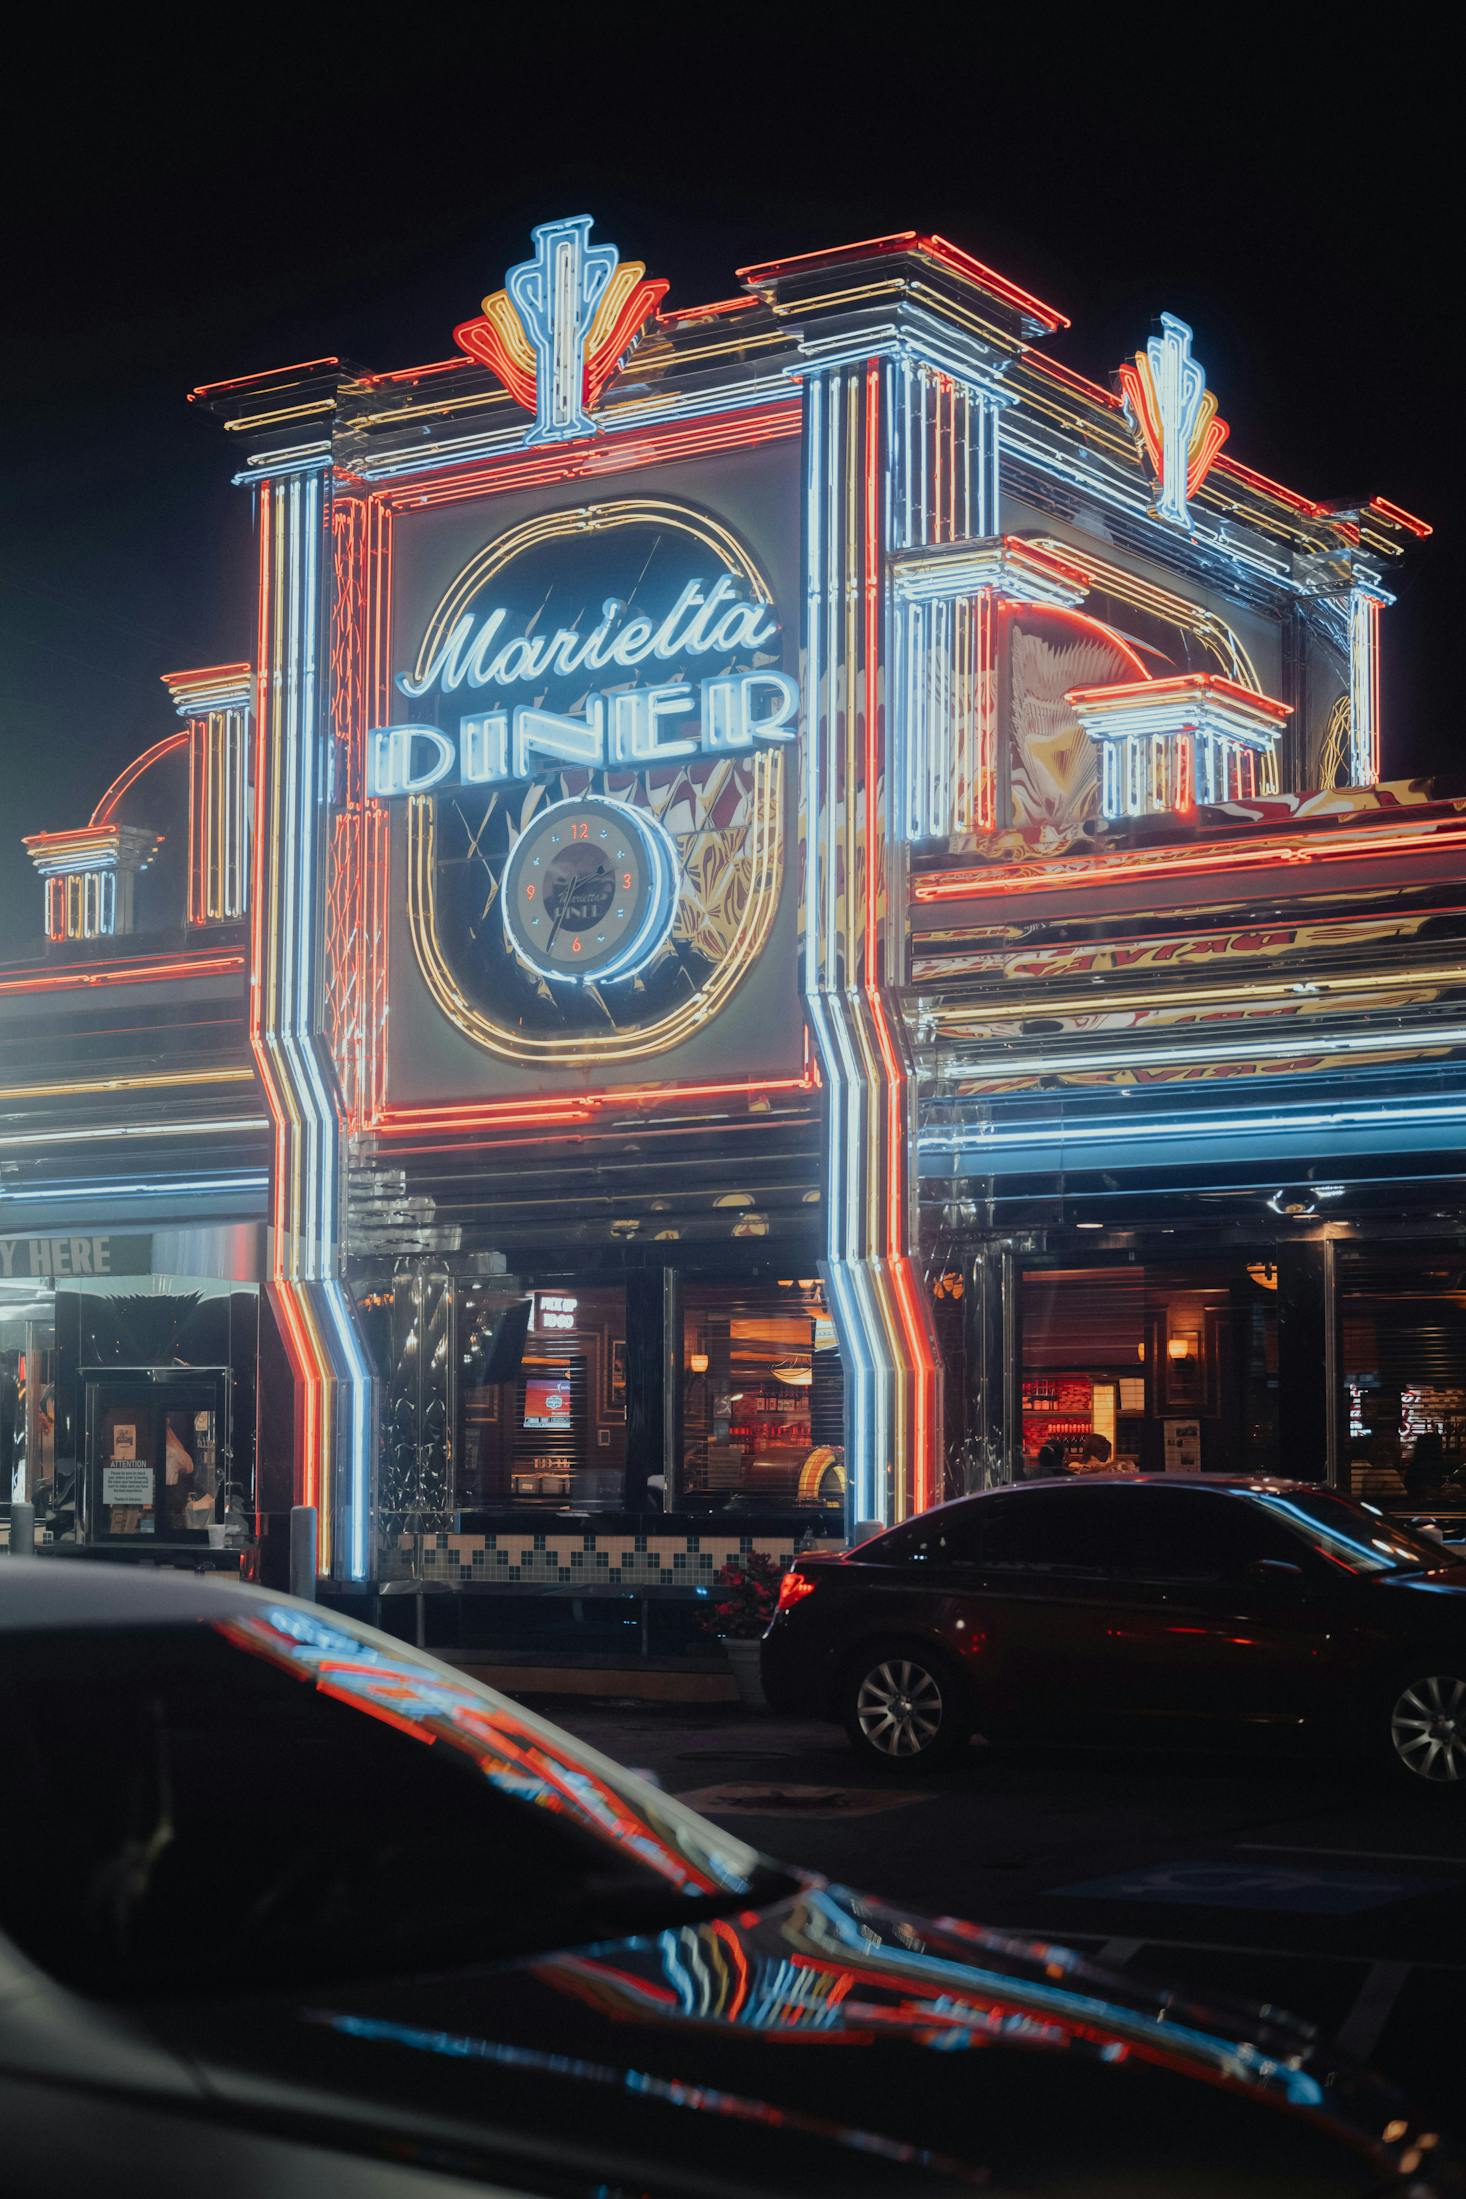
1281,1571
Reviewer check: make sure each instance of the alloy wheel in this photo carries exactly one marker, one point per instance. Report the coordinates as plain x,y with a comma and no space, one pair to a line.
899,1708
1428,1728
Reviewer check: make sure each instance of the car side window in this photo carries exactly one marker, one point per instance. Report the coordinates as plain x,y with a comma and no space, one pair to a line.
1194,1535
946,1536
1054,1531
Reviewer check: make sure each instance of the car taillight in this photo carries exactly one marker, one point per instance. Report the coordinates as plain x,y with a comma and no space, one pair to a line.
792,1588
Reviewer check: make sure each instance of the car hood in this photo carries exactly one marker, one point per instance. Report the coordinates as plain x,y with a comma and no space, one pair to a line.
824,2042
1445,1580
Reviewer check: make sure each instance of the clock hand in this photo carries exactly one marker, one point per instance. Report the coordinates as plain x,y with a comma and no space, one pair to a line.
559,920
565,900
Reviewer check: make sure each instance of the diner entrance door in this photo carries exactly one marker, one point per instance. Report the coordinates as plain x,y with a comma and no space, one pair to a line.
155,1455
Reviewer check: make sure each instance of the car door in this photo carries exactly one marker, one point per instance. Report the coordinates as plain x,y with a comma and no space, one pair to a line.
969,1577
1039,1583
1217,1616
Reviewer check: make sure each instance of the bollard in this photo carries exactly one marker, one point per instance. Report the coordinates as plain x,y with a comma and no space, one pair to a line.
22,1530
303,1551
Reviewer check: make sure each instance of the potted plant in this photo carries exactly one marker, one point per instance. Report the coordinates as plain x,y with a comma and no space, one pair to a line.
746,1591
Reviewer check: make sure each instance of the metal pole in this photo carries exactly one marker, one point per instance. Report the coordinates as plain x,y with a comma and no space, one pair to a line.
303,1551
22,1530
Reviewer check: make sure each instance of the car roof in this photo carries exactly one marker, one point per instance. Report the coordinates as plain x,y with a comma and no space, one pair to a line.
71,1592
1271,1484
1235,1484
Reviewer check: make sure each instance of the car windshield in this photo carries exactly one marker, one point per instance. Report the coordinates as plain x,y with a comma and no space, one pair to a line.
1353,1535
277,1795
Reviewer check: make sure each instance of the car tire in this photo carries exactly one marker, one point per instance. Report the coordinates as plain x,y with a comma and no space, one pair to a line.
1424,1725
904,1708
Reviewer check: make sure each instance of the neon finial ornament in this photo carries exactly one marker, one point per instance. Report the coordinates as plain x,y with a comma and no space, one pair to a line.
561,325
1175,415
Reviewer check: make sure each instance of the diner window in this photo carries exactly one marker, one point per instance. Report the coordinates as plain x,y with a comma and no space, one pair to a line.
542,1398
761,1399
1165,1367
1403,1329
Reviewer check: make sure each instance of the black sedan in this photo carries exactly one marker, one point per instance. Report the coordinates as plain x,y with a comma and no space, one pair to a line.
1153,1608
287,1908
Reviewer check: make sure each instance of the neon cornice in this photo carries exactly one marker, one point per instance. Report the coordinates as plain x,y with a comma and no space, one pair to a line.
205,1126
249,381
950,256
713,312
513,466
1296,1046
210,687
137,1187
1194,688
92,847
99,975
1118,1000
162,1080
1129,1128
1396,512
1021,571
1074,873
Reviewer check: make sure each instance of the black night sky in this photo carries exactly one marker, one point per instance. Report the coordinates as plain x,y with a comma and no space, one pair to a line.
359,195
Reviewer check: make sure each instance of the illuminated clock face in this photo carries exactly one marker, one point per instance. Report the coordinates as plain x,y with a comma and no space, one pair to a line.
590,891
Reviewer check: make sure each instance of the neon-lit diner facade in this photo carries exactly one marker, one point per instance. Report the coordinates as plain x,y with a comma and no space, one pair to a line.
804,844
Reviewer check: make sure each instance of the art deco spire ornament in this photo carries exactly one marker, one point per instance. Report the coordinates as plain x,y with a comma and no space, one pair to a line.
561,326
1175,416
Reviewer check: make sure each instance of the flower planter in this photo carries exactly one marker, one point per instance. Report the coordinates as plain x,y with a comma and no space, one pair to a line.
743,1656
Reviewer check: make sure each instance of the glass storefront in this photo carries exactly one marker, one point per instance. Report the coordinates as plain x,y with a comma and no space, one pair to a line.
127,1408
1403,1324
1165,1366
550,1431
654,1394
761,1414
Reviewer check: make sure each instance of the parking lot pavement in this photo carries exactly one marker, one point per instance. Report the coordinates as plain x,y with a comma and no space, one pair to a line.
1338,1897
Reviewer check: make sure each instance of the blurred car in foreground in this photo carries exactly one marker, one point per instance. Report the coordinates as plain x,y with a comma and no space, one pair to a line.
288,1908
1131,1607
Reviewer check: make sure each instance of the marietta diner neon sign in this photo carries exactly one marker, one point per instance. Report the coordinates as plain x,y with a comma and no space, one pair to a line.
625,725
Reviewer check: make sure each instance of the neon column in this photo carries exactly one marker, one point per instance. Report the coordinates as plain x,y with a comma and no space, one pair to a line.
334,1389
1365,605
215,702
854,881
